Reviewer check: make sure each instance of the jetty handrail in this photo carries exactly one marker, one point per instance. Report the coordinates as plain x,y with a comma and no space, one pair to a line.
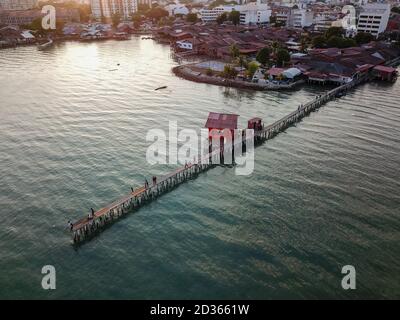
83,227
319,99
204,160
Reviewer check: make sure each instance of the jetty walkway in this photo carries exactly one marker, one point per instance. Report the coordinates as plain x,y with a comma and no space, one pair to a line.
87,227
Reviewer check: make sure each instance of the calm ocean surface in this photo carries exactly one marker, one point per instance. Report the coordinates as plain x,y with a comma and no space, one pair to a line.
324,194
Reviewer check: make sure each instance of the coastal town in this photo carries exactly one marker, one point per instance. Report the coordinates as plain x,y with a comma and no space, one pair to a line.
200,149
256,45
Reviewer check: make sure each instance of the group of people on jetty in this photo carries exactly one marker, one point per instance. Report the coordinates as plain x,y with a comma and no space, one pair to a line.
301,105
90,217
146,185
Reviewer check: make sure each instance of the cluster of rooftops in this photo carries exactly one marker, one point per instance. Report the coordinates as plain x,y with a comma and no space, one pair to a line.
333,62
329,64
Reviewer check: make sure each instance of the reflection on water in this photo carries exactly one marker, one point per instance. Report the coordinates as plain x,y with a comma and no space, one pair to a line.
323,194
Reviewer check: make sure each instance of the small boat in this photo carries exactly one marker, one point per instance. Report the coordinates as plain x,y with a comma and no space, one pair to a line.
46,45
339,94
159,88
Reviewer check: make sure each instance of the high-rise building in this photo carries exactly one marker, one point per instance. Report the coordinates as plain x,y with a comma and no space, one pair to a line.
107,8
374,18
300,18
252,13
148,2
294,18
18,4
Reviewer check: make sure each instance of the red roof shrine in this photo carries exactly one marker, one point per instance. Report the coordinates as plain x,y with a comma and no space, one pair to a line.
222,121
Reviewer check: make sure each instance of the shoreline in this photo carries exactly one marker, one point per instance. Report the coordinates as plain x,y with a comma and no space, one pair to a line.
65,39
186,73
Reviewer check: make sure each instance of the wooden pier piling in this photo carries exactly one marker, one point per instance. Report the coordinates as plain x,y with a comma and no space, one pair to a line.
85,228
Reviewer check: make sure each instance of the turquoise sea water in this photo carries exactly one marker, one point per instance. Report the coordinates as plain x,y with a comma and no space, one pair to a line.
324,194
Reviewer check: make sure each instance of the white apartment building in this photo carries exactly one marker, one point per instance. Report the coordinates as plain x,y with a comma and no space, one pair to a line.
174,9
211,15
300,18
251,13
297,18
282,15
107,8
18,4
373,18
147,2
323,21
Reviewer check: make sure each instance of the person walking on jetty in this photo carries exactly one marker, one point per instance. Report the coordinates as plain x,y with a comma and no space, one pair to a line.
154,180
146,183
91,215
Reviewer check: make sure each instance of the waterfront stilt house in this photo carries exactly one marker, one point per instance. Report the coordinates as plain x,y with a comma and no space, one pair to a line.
221,127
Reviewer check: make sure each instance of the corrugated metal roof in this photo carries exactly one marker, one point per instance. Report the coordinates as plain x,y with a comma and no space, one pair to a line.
221,121
385,69
291,73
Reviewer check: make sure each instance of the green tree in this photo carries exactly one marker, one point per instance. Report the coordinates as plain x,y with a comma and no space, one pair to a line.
156,13
166,21
229,72
36,25
396,10
339,42
234,16
319,42
275,46
143,7
136,17
263,55
363,37
334,31
191,17
348,42
234,50
222,18
252,68
304,43
242,61
334,42
116,19
137,20
282,56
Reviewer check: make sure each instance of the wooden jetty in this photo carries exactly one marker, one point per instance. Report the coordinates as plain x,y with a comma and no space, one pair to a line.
87,227
84,228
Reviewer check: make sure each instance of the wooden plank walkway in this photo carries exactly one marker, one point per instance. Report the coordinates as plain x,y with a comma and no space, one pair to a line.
85,228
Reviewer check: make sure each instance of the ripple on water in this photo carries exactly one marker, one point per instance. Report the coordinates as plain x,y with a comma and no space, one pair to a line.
323,194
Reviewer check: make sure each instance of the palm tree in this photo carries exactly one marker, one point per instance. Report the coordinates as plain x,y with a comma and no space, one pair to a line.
275,46
241,61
